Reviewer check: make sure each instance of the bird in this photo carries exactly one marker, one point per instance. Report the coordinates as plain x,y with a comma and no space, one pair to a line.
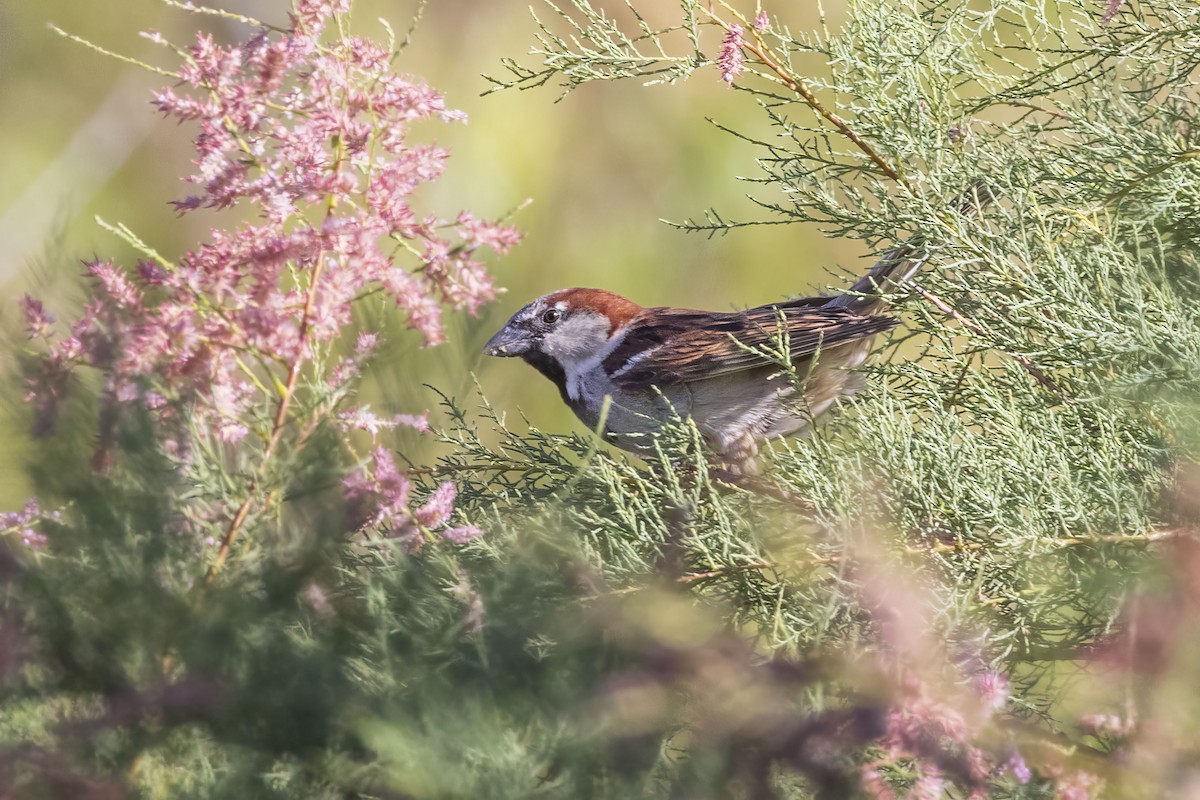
742,377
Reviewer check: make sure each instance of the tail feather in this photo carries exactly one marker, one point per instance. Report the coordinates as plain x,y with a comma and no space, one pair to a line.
895,267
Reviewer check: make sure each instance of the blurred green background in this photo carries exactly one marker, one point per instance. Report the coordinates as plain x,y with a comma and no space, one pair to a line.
602,167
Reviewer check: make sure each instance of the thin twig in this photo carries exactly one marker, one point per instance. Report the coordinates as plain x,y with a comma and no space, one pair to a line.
166,73
1065,541
691,578
277,428
758,486
1033,369
1035,107
796,85
451,469
1176,159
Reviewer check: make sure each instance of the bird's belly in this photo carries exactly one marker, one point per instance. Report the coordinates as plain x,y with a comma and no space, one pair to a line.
630,419
733,412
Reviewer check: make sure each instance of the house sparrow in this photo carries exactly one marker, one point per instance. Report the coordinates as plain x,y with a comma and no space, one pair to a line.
633,369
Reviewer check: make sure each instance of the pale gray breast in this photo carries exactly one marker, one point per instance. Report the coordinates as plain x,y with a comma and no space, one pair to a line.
732,411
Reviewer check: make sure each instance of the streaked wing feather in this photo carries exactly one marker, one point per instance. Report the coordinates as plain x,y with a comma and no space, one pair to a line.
692,345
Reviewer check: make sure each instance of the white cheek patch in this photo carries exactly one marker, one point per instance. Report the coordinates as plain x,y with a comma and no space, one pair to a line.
581,368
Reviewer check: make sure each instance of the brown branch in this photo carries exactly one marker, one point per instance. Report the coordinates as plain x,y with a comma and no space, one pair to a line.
1033,369
1063,541
750,483
450,469
278,425
285,400
794,83
1176,159
692,578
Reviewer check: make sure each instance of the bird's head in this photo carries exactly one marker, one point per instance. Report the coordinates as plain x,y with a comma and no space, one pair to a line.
567,327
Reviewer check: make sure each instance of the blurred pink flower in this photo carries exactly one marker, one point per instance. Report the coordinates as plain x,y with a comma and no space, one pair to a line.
24,523
873,783
462,534
1104,725
379,494
37,321
1075,785
992,688
363,419
930,786
437,509
1017,767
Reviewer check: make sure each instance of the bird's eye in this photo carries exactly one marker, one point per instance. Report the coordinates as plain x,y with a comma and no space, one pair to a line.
551,316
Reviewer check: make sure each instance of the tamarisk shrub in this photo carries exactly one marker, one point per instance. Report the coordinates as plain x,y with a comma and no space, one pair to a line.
236,349
944,615
194,609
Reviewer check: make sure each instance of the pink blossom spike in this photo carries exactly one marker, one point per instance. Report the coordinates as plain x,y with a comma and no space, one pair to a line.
37,321
731,61
436,511
1016,766
993,690
418,422
24,524
462,534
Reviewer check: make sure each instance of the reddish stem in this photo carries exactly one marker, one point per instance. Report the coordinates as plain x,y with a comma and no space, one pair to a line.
280,421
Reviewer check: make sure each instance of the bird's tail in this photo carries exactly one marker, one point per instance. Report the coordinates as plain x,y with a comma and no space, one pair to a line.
898,265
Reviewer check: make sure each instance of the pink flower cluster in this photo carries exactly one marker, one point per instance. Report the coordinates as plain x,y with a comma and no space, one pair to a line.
932,733
947,738
25,523
730,60
310,127
379,497
287,124
918,728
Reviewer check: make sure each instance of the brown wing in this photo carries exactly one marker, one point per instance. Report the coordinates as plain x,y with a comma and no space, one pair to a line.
689,345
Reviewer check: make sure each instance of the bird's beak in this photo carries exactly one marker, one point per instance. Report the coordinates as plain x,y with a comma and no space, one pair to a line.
510,341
